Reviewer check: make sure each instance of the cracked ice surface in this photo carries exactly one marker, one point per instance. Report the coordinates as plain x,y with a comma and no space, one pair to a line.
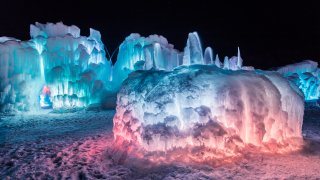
205,106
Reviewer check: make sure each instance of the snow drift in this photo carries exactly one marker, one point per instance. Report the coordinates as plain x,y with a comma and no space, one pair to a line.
202,106
306,75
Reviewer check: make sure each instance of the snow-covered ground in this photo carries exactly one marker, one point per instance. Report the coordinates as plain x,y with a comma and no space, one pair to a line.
79,145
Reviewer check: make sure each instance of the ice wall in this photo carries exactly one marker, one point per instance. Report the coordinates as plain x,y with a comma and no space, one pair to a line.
19,75
306,75
204,106
76,70
144,53
74,67
154,52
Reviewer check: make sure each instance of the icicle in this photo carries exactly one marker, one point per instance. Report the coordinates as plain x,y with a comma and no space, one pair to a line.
239,60
226,63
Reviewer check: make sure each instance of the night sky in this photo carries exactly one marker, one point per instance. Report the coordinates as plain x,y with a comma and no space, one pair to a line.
269,34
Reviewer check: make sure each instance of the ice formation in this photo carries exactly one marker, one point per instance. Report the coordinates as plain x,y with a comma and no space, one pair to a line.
137,53
76,70
205,106
306,75
74,67
154,52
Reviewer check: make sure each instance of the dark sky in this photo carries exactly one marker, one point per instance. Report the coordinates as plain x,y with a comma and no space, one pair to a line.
269,34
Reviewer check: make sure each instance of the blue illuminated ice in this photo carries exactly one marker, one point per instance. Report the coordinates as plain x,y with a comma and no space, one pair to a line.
193,51
306,75
75,68
208,56
205,106
155,52
144,53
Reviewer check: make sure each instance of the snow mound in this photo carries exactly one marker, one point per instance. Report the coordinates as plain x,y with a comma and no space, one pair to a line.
202,106
305,75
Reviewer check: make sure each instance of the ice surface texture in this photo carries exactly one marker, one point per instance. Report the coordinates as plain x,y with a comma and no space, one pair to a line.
205,106
306,75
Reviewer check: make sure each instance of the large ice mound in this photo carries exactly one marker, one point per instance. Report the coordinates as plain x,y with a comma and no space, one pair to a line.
306,75
205,106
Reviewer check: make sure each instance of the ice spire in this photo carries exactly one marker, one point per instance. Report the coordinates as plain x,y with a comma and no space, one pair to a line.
239,60
193,53
208,55
156,54
217,61
38,44
226,63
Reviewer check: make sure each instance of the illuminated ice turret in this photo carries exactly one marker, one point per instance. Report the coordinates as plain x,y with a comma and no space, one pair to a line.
193,53
208,56
306,75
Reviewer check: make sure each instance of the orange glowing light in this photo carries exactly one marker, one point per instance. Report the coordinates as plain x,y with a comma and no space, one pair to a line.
46,90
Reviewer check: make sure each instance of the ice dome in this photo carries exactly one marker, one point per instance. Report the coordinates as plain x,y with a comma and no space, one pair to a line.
205,106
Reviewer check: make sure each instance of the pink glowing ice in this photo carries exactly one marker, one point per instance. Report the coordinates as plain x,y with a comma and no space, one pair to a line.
203,107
